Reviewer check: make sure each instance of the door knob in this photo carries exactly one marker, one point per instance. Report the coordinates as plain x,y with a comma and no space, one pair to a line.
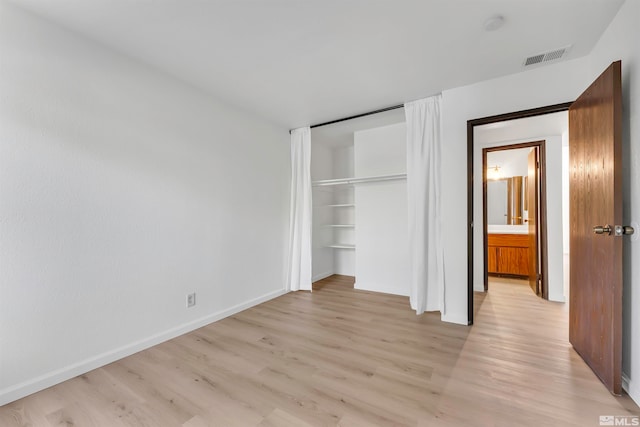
599,229
618,230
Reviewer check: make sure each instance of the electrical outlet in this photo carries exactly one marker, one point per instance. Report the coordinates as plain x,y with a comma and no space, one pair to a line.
191,300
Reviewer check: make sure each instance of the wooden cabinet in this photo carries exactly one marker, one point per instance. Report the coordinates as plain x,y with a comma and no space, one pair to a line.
508,254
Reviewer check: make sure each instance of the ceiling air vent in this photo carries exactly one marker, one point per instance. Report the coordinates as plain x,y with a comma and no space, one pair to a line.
534,60
546,57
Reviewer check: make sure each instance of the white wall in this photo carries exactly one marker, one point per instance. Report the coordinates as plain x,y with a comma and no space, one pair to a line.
382,240
321,161
343,162
620,41
555,263
321,168
122,190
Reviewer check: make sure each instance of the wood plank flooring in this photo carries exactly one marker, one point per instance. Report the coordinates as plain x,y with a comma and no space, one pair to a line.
341,357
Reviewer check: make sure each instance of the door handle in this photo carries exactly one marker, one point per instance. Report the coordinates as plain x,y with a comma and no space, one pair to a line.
602,229
621,230
618,230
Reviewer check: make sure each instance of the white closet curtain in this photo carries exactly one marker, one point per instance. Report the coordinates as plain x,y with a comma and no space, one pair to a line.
424,140
300,216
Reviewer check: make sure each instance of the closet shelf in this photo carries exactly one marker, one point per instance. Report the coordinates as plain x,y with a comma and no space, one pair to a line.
336,206
350,181
339,246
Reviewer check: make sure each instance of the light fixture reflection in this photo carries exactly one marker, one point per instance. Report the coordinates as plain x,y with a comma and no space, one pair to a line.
494,173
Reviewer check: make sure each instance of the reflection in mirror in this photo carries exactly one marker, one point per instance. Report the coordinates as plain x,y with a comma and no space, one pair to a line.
514,201
497,202
505,201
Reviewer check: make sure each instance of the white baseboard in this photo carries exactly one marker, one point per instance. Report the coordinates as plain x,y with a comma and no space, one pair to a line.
455,318
322,276
556,298
373,288
631,388
625,382
34,385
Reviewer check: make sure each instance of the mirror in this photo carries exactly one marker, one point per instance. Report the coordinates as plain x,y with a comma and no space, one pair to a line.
505,201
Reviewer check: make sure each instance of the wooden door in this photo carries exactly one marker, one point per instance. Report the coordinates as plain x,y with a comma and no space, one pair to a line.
595,307
533,185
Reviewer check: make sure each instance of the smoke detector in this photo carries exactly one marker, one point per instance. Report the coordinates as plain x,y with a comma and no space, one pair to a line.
552,55
493,23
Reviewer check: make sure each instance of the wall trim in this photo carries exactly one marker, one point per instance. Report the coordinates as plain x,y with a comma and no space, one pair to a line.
625,382
322,276
557,298
378,289
458,319
631,388
49,379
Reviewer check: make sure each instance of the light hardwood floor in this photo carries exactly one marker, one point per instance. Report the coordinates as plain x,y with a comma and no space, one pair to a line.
343,357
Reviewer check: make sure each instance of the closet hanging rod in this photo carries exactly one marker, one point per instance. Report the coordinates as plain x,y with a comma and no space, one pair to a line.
357,116
342,181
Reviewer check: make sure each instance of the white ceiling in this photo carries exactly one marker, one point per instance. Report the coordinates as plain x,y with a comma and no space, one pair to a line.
300,62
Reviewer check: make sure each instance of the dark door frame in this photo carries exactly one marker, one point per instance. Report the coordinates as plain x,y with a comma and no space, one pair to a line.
541,219
470,144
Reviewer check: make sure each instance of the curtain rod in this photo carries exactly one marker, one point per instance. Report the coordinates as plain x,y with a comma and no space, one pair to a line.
357,116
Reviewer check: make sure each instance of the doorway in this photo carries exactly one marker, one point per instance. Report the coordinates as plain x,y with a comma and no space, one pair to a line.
477,263
596,265
514,203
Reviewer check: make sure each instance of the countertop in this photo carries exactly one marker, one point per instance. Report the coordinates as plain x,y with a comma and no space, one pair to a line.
508,229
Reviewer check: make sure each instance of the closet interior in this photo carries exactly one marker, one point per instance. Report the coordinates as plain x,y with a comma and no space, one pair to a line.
358,173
